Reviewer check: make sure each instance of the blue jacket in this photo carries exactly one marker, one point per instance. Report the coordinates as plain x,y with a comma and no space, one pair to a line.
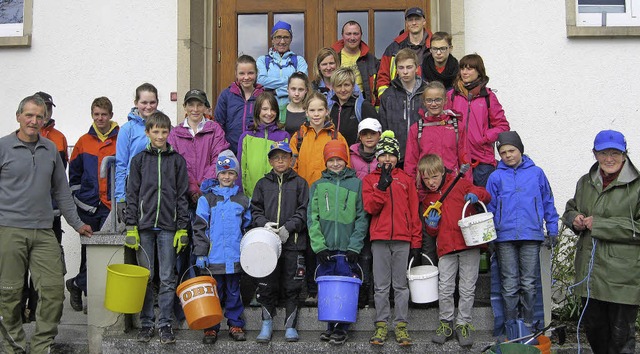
232,110
131,140
221,216
277,76
521,202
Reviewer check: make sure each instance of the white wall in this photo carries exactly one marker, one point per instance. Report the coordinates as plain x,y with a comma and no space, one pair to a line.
556,92
85,49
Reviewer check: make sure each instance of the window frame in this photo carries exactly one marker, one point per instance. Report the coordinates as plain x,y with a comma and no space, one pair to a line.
27,25
573,30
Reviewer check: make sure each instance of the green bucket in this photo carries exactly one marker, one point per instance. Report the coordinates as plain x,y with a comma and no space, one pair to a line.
513,348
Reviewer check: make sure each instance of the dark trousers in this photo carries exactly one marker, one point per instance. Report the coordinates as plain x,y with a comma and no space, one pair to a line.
481,174
228,286
340,267
610,327
95,220
310,258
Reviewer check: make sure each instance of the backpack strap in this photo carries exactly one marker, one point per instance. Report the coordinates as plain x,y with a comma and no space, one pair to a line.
293,60
358,107
300,137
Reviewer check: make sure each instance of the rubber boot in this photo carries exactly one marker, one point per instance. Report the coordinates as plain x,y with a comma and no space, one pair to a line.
511,328
291,335
265,332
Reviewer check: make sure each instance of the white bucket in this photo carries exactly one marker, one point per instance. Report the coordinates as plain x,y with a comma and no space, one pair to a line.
423,282
259,252
477,229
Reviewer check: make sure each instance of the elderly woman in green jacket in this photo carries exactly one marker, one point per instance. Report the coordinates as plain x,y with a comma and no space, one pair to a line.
605,213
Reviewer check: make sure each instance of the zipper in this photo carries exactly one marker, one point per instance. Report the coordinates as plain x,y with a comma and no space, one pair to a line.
335,228
279,199
392,213
339,115
346,200
155,224
326,198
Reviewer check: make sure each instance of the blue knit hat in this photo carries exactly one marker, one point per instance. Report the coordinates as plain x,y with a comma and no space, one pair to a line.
281,25
227,161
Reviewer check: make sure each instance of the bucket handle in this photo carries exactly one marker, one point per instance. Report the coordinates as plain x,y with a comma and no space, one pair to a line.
464,209
188,269
423,255
315,273
143,251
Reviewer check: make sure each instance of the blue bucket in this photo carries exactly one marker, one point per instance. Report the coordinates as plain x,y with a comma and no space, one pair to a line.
338,298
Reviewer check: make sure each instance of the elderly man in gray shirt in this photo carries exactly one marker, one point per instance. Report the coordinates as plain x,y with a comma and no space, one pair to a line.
31,173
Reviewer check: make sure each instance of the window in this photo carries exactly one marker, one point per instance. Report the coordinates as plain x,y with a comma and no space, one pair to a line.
15,23
593,18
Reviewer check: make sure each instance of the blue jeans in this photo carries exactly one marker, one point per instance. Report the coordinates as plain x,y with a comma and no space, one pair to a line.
519,267
161,241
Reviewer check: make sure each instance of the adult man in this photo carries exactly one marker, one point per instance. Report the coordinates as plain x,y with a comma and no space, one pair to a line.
275,68
354,53
441,65
90,192
415,36
31,173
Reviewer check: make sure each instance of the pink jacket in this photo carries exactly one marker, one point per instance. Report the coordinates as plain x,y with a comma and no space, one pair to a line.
361,166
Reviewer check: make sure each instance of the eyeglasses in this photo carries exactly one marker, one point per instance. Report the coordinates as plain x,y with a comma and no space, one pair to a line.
605,154
434,100
280,158
282,38
439,49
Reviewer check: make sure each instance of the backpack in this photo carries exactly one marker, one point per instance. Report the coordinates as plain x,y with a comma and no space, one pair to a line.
293,60
421,124
358,105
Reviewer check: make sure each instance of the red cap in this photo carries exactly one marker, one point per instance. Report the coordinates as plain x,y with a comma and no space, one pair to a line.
335,148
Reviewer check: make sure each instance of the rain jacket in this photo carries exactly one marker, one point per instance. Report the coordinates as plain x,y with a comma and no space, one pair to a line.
221,216
131,140
368,67
347,116
232,110
615,276
276,77
359,163
336,218
387,70
521,202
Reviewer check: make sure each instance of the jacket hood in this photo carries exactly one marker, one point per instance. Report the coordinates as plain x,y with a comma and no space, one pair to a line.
208,185
226,192
339,45
183,132
50,124
275,54
134,115
628,174
113,130
397,83
527,162
235,89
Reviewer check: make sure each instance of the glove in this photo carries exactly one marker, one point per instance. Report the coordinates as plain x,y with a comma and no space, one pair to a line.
385,177
352,257
132,240
323,256
471,198
415,254
272,225
120,210
433,219
550,241
283,234
180,240
202,262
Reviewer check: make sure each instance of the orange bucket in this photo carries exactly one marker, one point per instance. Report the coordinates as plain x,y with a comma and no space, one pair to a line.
200,302
544,344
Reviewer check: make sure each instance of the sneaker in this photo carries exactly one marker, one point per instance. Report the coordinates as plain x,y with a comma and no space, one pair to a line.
75,295
210,336
443,333
402,334
463,333
237,334
380,335
326,335
311,301
338,337
145,334
166,334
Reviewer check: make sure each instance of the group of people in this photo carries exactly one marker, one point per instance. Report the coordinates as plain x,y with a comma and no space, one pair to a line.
342,169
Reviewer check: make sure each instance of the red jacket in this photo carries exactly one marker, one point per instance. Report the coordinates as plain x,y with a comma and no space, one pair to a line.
394,212
448,234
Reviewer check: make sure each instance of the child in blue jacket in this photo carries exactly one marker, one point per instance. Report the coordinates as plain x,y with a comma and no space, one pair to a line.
522,204
221,216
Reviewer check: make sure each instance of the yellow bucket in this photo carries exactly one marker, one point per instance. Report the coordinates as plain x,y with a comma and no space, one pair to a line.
126,287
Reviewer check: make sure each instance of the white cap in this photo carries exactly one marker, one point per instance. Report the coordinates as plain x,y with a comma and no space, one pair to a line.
370,124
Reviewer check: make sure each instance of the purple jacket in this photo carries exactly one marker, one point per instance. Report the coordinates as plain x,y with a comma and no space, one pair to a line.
362,167
232,109
200,151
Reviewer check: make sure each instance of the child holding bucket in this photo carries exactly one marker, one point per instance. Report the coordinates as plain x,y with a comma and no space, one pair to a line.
390,196
456,259
221,216
280,202
521,199
157,218
337,225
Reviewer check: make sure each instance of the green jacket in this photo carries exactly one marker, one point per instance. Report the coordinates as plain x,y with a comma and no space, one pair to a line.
615,276
335,218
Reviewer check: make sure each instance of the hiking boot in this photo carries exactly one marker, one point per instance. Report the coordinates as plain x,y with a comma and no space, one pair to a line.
463,333
166,334
402,334
75,295
338,337
311,301
326,335
145,334
443,333
210,336
380,335
237,334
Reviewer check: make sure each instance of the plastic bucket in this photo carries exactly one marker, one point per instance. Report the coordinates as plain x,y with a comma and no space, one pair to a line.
126,287
200,302
423,282
477,229
260,249
513,348
338,298
544,344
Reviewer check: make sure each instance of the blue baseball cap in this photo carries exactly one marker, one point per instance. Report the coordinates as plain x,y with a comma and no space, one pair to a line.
280,145
610,139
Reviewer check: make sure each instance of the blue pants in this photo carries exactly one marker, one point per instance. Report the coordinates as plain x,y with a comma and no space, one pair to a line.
228,286
340,267
519,269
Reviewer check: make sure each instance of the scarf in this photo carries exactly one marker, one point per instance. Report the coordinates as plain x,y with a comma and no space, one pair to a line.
366,156
472,88
446,77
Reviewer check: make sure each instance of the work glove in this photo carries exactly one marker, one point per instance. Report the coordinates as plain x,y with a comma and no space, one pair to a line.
202,262
180,240
415,254
352,257
272,225
471,198
385,177
120,210
550,241
323,256
132,240
433,219
283,234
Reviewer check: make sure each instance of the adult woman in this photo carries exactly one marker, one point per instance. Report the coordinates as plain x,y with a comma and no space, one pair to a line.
292,114
234,109
605,214
482,115
327,61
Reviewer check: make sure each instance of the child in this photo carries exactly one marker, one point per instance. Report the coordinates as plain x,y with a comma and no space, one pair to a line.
390,196
254,144
280,201
292,114
221,216
521,199
455,257
337,223
157,217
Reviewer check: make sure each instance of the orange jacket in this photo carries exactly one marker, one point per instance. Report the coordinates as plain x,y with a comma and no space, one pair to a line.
48,131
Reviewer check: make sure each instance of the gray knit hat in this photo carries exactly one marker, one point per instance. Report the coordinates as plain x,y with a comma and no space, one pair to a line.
510,138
